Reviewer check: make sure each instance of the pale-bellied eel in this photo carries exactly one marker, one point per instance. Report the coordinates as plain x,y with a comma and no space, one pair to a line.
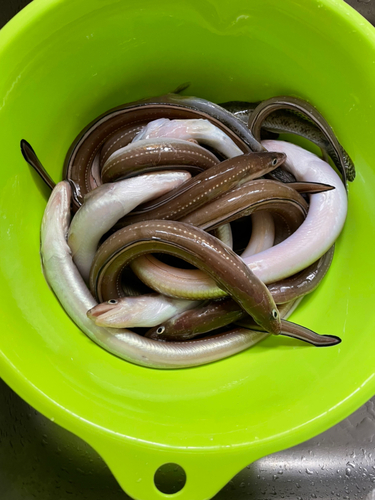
224,234
142,311
262,233
202,131
105,205
63,277
282,291
216,112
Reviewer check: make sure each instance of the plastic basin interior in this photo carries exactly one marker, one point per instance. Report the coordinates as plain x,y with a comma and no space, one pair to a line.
65,62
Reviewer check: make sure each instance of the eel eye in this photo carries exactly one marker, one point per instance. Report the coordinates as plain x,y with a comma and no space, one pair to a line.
274,162
112,301
275,314
160,330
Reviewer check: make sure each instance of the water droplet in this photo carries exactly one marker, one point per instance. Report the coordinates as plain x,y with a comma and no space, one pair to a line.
242,485
348,471
308,471
350,464
280,472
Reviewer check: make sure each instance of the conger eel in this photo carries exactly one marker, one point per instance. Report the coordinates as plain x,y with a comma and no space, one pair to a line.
198,320
151,155
265,108
193,245
201,320
289,120
206,186
190,324
261,194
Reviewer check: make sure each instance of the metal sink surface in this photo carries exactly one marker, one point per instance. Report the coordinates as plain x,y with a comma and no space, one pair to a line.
39,459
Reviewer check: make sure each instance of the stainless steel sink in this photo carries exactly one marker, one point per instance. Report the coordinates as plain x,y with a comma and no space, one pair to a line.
38,459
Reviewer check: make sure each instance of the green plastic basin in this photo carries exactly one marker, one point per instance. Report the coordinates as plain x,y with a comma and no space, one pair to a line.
64,62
